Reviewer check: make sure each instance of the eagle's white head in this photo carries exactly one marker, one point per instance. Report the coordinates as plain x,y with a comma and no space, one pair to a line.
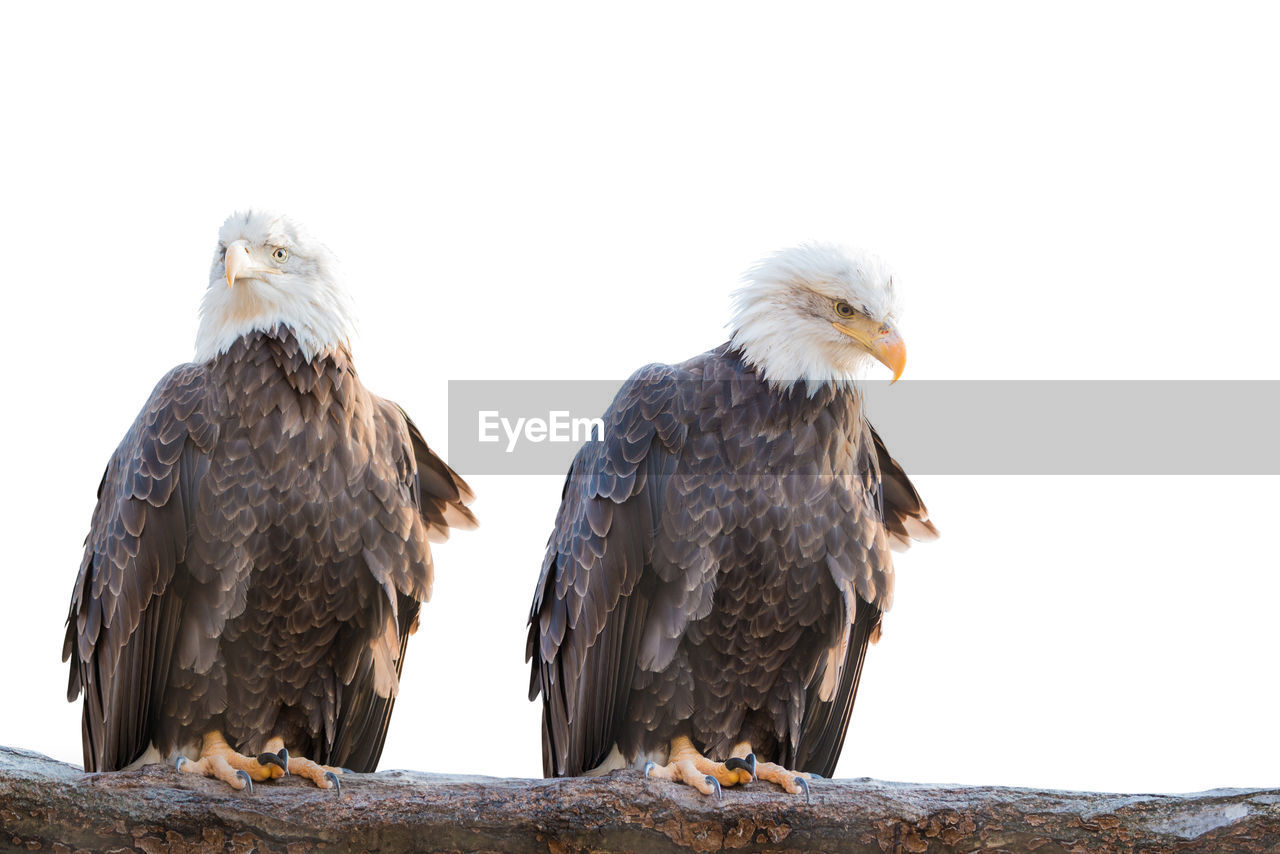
269,271
817,313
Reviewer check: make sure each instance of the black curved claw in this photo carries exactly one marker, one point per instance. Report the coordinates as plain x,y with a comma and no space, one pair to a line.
748,764
804,784
649,766
248,781
715,784
281,762
333,778
284,756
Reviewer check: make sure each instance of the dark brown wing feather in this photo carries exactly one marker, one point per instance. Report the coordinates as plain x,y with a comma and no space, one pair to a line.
827,722
443,495
905,516
591,602
363,717
127,602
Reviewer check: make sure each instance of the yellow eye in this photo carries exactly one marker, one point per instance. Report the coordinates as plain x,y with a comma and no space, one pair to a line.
844,309
281,255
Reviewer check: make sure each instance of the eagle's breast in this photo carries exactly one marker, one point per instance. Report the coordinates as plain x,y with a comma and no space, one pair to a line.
769,535
304,490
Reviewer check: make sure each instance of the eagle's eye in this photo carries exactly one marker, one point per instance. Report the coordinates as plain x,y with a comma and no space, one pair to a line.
844,309
280,254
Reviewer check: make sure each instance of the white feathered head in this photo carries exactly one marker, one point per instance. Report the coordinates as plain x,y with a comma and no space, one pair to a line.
816,313
268,271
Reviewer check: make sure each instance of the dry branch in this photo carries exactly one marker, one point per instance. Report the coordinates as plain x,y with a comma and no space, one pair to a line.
50,806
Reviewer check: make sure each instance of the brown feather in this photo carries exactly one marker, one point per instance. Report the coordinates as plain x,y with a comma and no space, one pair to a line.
256,560
720,561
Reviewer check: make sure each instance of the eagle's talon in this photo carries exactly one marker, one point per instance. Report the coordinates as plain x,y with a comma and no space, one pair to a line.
688,766
275,759
715,784
793,782
284,757
177,763
337,786
747,763
248,781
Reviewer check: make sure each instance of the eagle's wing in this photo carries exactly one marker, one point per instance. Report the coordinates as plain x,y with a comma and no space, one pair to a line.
440,497
363,715
127,602
905,516
592,599
441,492
826,722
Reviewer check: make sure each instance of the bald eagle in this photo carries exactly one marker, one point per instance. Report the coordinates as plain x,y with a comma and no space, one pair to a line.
259,549
722,555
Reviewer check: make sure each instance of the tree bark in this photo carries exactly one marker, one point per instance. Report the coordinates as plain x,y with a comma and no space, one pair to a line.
50,806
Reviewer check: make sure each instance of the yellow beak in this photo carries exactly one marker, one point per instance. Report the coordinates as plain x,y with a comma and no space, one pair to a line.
238,261
885,345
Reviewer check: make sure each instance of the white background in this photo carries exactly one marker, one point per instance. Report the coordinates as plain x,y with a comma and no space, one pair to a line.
571,190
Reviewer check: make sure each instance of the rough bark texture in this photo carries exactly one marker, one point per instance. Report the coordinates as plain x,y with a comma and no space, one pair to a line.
50,806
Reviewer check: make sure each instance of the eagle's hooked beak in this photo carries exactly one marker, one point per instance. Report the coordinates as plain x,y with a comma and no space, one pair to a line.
885,345
238,261
240,264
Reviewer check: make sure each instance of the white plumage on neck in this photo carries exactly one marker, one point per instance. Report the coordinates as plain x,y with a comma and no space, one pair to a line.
302,292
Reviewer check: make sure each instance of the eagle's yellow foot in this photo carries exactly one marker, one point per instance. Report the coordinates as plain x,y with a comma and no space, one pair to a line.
218,760
324,776
281,764
686,765
794,782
